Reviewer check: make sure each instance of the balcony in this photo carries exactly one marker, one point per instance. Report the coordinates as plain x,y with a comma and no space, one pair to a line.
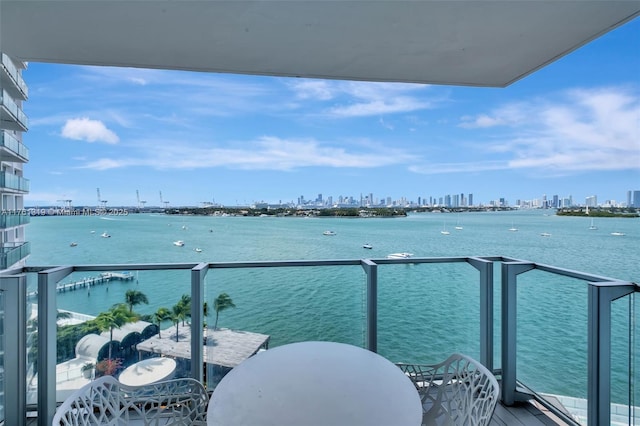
580,368
12,149
10,219
11,116
12,80
13,253
9,181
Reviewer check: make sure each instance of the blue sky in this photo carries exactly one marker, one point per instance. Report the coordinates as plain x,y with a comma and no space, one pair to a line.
571,129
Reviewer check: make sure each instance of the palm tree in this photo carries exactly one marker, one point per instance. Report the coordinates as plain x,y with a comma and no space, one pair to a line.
135,297
178,313
185,307
160,315
222,302
115,317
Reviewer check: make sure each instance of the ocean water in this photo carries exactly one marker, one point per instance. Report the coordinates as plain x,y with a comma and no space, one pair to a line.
425,311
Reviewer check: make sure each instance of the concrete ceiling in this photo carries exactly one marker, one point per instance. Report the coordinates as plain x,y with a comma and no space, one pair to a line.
474,42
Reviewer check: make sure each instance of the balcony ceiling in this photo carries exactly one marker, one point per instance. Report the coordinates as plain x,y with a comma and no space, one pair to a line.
475,42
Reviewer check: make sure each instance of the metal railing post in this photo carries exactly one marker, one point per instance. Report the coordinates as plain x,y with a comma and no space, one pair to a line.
601,295
47,341
197,321
14,289
510,270
371,269
485,267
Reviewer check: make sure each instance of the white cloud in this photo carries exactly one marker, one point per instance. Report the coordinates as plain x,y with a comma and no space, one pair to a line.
586,129
88,130
266,153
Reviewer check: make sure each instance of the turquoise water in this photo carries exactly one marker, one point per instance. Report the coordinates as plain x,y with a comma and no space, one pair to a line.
425,311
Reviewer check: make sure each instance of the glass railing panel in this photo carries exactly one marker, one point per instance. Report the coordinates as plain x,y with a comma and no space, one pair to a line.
428,311
283,305
552,338
15,75
90,344
9,103
11,181
12,144
10,218
622,361
12,253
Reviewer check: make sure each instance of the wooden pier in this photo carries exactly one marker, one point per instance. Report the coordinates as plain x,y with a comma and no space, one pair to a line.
103,278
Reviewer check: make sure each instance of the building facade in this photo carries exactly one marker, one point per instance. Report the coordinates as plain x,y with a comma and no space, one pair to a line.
13,156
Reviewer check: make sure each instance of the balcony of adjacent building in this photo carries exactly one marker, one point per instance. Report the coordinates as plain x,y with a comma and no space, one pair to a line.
11,79
11,149
10,182
562,343
11,115
12,253
11,219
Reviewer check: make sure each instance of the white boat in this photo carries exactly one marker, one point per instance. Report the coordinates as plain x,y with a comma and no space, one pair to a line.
197,250
399,255
458,226
367,246
444,230
331,233
545,234
618,234
513,228
74,244
178,243
105,235
592,226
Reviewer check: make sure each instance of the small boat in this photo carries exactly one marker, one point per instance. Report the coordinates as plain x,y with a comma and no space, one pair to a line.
184,227
105,235
399,255
197,250
74,244
618,234
458,226
330,233
367,246
545,234
444,230
93,232
178,243
592,227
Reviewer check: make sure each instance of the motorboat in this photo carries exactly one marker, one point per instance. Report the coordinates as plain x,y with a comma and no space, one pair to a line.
178,243
105,235
330,233
618,234
592,227
367,246
399,255
545,234
74,244
197,250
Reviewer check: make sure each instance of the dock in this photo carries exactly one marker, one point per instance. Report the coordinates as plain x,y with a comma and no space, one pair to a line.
103,278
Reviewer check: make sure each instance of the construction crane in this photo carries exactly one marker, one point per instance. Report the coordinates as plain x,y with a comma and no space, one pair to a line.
140,203
166,203
67,203
101,202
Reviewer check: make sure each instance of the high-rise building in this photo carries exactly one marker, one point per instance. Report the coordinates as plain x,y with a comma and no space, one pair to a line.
13,156
635,198
591,201
470,199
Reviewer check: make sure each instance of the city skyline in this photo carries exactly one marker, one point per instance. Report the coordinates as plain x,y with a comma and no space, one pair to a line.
570,128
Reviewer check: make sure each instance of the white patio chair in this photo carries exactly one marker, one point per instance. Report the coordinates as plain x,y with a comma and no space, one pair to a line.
106,401
458,391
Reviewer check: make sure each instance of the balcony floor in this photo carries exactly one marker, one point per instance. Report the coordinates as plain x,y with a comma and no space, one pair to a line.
527,414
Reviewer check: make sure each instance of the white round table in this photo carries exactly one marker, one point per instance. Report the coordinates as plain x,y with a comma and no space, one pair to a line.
148,371
315,383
